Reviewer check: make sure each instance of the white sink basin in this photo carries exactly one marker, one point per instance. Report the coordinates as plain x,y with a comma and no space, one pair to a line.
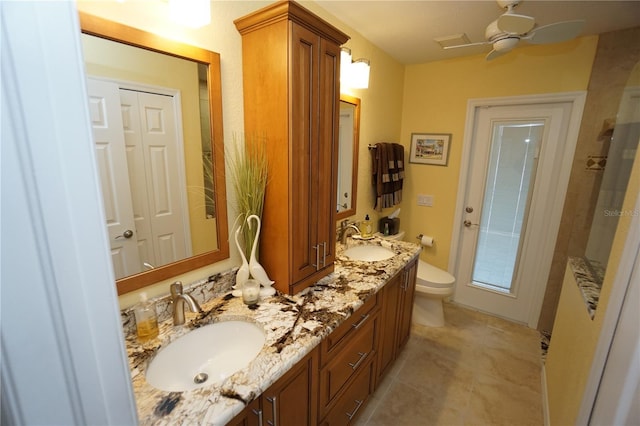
205,356
368,253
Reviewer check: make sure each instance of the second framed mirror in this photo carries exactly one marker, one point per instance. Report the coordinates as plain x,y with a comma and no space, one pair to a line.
348,149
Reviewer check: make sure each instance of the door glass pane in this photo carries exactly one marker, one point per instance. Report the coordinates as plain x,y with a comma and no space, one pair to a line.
507,191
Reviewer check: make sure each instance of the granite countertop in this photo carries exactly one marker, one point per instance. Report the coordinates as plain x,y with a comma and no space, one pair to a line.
589,276
293,326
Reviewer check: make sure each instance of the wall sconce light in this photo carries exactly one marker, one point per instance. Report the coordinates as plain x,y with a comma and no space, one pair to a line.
191,13
360,74
345,65
353,74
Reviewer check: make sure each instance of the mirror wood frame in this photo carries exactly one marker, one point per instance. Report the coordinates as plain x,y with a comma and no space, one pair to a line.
354,166
114,31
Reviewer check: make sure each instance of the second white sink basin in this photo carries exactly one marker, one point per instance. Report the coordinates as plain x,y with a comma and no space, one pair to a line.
368,253
205,356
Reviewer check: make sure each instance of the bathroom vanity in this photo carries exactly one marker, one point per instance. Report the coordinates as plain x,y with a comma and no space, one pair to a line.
325,348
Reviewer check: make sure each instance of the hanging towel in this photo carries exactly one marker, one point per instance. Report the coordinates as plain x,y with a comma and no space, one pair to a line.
388,174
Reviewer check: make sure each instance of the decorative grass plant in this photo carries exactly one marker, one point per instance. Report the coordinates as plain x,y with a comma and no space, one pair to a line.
248,169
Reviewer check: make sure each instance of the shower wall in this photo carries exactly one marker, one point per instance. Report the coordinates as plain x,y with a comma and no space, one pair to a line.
617,54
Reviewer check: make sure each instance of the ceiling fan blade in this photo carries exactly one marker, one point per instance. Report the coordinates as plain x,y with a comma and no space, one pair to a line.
479,43
555,33
495,53
515,24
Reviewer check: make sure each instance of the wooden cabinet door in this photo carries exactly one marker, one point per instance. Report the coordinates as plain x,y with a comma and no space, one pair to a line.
304,109
328,149
406,302
293,399
391,294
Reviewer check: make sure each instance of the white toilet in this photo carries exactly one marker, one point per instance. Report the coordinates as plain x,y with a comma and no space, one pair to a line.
432,286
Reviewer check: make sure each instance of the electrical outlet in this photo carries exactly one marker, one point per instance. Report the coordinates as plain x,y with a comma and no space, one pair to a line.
425,200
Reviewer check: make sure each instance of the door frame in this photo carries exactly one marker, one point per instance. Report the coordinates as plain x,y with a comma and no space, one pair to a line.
577,100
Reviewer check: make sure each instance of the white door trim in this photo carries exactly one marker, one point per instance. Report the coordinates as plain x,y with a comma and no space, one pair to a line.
615,373
63,354
577,99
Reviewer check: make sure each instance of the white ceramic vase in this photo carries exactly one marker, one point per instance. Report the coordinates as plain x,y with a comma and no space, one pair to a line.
256,270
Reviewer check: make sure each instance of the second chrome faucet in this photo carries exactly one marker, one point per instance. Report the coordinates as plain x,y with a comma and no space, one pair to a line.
179,300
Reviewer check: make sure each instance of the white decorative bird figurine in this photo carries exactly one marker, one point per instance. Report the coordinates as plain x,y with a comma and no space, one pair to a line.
243,272
257,271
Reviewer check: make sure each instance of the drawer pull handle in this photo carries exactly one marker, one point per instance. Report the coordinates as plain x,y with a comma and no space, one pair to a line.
355,365
355,410
324,254
317,264
272,400
259,414
364,318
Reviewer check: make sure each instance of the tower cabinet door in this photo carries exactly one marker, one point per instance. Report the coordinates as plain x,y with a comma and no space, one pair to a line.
304,71
328,149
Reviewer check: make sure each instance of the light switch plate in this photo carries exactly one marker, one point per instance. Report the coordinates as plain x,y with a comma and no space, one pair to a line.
425,200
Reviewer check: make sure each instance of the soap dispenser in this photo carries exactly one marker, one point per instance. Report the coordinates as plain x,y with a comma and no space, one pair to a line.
366,228
146,319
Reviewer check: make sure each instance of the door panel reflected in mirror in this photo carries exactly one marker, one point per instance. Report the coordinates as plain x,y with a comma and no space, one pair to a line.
155,109
349,133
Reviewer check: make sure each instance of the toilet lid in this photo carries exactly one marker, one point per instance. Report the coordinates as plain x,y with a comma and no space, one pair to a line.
434,276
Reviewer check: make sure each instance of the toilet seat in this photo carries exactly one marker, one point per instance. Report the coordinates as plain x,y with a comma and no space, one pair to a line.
434,277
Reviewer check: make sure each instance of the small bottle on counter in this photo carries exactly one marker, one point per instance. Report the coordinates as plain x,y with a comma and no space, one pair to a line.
366,229
146,319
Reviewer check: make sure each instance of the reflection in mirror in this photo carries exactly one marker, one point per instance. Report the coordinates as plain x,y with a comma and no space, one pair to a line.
349,134
156,114
621,135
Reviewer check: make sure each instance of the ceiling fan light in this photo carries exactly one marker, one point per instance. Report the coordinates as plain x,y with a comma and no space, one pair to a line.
505,44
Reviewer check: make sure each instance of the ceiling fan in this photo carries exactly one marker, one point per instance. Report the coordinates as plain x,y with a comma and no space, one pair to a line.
506,32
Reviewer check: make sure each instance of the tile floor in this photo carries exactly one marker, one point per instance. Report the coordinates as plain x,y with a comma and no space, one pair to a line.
476,370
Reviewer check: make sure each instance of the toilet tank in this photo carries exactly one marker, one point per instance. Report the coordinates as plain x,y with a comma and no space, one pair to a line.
397,237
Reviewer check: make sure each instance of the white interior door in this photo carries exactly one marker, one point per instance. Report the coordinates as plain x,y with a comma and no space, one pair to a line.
140,161
164,188
515,163
106,122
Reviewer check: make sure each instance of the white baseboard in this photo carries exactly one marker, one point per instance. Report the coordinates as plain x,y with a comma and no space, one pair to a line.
545,397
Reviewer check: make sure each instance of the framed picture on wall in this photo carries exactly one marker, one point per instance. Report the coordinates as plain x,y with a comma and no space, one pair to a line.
430,148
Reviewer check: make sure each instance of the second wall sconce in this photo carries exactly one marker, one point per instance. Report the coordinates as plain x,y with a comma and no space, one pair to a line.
353,74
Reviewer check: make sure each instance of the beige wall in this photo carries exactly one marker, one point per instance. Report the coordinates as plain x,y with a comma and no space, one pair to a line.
381,103
435,101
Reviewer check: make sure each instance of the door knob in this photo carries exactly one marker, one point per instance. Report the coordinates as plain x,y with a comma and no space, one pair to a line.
469,209
126,234
468,223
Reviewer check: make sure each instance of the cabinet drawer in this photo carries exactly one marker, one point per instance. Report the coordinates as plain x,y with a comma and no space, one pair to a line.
351,359
351,325
352,401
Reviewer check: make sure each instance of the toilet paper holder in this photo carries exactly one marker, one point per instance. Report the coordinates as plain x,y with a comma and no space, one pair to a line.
426,240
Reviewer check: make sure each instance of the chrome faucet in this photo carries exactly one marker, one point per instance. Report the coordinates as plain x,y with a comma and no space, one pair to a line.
179,300
344,230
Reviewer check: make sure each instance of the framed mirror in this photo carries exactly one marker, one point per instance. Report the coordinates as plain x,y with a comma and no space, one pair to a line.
156,113
349,134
